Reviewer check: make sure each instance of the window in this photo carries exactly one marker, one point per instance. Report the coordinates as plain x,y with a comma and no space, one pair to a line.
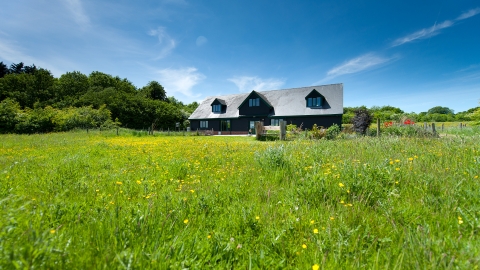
225,125
314,102
216,108
203,124
275,122
254,102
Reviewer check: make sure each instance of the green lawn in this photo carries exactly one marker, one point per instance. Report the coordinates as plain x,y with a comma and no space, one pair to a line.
97,200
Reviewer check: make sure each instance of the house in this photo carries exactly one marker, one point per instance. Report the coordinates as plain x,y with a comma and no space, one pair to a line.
237,114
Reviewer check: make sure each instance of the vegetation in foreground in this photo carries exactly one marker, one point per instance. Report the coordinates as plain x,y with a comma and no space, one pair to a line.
91,201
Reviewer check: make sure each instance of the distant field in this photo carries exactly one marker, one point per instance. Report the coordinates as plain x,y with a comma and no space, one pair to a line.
97,200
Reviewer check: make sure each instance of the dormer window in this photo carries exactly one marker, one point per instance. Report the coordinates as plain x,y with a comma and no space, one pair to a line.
254,102
217,108
314,99
314,102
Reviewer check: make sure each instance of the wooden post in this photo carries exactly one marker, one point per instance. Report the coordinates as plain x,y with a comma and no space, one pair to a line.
461,125
168,132
425,125
433,128
258,129
442,126
378,127
117,131
283,130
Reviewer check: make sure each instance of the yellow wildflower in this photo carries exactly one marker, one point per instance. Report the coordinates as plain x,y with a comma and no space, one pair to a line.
460,220
341,185
185,221
315,267
257,217
312,221
304,246
315,231
52,231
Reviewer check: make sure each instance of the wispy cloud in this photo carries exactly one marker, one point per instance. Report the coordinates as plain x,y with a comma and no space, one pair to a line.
357,64
423,33
180,80
201,40
435,29
166,43
468,14
76,9
246,84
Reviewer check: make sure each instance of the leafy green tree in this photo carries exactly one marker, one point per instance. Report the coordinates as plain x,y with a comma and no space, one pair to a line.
8,111
440,110
153,90
69,88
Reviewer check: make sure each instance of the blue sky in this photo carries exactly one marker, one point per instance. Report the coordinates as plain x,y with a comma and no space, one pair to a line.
410,54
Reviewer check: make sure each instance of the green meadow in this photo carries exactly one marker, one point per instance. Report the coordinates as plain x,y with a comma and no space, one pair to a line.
101,201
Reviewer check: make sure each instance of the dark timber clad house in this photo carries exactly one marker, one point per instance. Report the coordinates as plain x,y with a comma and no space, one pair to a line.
236,114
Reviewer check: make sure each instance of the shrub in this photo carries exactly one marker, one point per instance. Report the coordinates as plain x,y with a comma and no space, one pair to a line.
8,110
317,132
332,132
362,120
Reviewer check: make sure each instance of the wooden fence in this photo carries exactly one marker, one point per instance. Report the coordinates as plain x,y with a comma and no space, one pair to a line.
261,130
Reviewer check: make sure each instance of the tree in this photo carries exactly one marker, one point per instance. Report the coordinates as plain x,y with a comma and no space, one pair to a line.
8,110
440,110
69,88
16,68
362,120
154,90
3,70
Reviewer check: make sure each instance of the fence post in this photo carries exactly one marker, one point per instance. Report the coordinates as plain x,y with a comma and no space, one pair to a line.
258,129
425,125
433,128
282,130
168,132
378,127
461,124
442,126
117,131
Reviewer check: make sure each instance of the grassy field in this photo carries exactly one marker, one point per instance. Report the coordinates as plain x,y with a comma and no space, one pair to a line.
97,200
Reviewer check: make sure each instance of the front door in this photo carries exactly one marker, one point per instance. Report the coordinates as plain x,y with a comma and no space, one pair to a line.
252,127
225,125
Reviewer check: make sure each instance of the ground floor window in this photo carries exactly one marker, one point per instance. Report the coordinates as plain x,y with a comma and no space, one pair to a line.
275,122
203,124
225,125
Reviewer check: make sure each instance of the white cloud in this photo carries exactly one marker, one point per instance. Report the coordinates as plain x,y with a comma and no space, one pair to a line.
423,33
468,14
435,29
247,84
201,40
180,80
357,64
166,43
76,9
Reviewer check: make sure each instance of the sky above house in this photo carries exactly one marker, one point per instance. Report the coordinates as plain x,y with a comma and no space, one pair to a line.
409,54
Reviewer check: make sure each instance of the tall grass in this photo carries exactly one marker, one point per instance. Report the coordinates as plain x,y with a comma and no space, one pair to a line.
96,200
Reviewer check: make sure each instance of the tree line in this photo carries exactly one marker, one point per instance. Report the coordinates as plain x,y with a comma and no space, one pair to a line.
435,114
33,100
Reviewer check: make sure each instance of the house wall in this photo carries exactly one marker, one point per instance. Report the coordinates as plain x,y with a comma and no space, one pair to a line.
263,109
241,125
